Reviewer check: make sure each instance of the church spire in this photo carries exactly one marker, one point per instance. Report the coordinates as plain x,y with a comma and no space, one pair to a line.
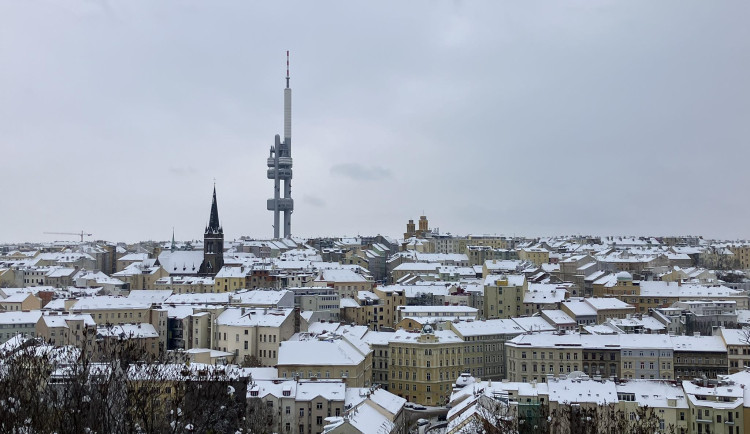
213,221
172,247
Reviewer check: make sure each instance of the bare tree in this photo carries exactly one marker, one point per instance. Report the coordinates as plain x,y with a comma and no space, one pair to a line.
45,389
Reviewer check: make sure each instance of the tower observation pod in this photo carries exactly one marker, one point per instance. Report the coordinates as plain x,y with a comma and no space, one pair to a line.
280,168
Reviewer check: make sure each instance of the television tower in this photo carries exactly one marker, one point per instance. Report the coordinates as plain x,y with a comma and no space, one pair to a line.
280,167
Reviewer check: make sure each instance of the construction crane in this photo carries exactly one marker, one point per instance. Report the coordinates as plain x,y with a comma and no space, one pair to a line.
80,234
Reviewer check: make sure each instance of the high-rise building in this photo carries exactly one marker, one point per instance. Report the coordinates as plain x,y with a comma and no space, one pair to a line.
280,168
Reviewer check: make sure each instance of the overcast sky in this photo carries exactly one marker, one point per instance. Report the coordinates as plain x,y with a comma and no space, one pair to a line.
523,117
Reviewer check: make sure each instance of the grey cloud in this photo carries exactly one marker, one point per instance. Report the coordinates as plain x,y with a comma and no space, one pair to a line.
183,171
594,117
359,172
314,201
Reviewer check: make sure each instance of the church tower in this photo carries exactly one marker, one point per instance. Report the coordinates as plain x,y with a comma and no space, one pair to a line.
213,243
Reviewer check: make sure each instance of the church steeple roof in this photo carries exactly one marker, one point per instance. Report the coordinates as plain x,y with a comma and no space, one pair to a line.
213,222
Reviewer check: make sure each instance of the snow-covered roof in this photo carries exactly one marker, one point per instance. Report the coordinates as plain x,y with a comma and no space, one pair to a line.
129,331
513,279
150,296
558,317
655,288
582,391
534,324
249,317
731,396
329,390
336,352
699,344
199,298
19,317
16,298
134,257
260,297
348,302
736,336
62,320
181,261
340,276
106,302
418,266
544,293
488,327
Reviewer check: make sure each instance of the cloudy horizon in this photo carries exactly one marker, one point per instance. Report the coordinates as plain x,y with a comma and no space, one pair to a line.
514,118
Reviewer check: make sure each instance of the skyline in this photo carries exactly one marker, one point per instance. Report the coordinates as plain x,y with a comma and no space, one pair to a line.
516,119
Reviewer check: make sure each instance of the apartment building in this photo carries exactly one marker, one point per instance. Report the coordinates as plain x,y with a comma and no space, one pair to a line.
503,295
253,335
338,358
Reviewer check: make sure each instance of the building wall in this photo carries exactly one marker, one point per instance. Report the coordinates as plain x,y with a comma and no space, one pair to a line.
647,363
526,363
695,364
502,300
423,371
261,342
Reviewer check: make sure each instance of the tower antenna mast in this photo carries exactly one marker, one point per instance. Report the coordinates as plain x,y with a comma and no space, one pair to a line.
280,168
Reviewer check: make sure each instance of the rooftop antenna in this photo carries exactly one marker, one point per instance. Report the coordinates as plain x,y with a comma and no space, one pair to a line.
287,69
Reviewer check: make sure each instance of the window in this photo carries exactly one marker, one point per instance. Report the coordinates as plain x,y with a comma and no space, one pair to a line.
301,412
319,405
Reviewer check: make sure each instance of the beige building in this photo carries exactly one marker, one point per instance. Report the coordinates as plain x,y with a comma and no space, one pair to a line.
716,408
424,365
487,339
18,323
536,255
185,284
20,301
337,358
230,279
141,275
366,309
408,315
129,259
345,282
253,334
142,337
742,254
533,357
594,310
503,295
653,294
109,310
737,342
62,328
298,406
391,297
